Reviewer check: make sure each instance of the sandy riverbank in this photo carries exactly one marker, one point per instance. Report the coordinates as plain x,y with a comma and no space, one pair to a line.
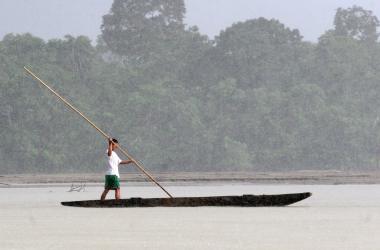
294,177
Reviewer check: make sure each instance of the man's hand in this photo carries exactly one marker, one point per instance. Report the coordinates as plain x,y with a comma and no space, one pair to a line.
126,162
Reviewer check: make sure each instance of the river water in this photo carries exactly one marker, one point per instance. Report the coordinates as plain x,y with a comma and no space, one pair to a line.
335,217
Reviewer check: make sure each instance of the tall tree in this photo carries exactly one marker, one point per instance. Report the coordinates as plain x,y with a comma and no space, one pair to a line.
136,30
357,23
259,52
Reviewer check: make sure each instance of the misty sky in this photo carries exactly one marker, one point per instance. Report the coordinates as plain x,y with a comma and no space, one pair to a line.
55,18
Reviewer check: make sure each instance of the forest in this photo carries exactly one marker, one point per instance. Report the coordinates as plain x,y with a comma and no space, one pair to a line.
257,97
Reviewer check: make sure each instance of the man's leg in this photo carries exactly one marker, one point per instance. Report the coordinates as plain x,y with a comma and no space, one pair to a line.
117,193
104,194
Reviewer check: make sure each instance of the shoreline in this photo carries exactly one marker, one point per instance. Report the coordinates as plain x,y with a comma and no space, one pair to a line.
292,177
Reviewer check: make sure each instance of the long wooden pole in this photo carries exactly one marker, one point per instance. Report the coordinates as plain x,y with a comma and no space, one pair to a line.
98,129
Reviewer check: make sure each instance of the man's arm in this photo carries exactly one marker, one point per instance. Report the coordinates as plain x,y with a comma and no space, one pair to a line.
126,162
109,153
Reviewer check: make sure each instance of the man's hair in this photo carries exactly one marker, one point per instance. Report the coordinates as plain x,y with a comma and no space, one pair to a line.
115,140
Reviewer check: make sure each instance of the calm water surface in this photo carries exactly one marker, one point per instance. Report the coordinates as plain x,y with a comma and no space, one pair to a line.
335,217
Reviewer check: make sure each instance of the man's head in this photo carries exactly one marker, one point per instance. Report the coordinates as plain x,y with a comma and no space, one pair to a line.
115,143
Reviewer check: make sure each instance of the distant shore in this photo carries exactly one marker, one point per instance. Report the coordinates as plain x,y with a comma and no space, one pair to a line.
291,177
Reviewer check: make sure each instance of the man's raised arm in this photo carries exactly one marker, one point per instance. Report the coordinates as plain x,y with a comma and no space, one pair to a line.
109,153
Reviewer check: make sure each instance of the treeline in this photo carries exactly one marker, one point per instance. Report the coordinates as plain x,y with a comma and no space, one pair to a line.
257,97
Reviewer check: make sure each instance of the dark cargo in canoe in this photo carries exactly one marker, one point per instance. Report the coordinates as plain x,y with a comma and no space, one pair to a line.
238,201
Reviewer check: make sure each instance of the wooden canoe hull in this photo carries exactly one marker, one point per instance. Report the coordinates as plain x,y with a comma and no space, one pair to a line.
222,201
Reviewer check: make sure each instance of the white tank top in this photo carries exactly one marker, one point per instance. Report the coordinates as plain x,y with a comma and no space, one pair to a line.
113,164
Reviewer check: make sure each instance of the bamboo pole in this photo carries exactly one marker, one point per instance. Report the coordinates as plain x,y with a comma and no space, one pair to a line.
125,152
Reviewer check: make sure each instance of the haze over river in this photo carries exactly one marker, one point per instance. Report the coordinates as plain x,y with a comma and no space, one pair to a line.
335,217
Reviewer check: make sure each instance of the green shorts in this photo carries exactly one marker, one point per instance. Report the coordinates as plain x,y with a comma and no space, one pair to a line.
112,182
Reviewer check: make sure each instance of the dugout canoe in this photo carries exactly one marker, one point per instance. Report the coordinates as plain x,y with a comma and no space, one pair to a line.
222,201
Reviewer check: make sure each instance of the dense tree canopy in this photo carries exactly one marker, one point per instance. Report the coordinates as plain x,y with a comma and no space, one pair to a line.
357,23
259,52
141,30
257,97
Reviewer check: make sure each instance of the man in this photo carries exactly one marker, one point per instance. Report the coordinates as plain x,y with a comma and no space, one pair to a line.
112,173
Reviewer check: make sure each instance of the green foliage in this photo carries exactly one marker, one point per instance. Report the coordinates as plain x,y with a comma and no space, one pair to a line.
357,23
142,30
236,156
255,98
259,52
